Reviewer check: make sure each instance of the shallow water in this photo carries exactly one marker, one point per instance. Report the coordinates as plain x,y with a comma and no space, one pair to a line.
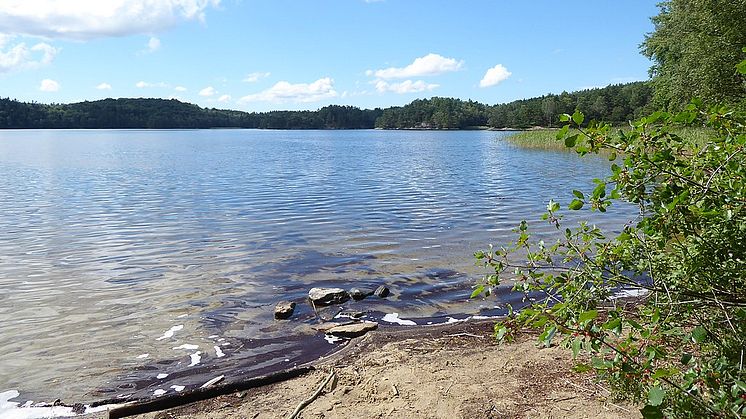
120,243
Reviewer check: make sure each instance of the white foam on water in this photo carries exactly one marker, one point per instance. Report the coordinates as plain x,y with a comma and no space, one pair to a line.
170,332
394,318
218,352
630,293
332,339
143,356
11,410
159,392
213,381
161,376
484,317
195,357
178,388
452,320
181,316
187,346
212,337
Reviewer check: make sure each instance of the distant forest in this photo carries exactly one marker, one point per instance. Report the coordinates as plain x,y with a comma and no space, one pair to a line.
615,104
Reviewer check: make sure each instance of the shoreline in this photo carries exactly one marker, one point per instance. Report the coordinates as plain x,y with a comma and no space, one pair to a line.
452,370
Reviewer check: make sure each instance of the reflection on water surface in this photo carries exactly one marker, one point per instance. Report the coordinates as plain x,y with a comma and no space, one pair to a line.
136,261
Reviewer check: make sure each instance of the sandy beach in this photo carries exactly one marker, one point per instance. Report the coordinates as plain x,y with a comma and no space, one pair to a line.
453,371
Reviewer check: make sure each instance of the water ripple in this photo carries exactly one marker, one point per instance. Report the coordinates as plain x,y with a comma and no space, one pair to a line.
110,238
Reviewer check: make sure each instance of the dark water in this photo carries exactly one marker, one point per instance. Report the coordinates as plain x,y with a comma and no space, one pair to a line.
108,239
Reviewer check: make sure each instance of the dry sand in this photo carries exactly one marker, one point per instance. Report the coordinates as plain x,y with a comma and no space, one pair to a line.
442,372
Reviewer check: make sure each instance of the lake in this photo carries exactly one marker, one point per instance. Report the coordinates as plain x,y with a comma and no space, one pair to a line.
140,260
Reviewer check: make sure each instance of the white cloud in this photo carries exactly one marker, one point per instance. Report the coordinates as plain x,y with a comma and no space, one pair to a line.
180,89
49,85
104,86
154,44
407,86
494,76
254,77
144,84
224,98
21,57
207,91
300,93
88,19
429,65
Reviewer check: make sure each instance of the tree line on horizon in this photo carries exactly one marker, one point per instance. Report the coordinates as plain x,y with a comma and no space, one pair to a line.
615,103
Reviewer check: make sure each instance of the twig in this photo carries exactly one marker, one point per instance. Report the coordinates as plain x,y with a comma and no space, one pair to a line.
313,397
455,335
618,407
449,388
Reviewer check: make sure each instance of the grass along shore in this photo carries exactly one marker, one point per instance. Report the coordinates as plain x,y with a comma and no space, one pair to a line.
545,139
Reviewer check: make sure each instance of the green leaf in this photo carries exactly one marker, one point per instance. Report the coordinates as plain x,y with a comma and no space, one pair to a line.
500,331
686,358
599,191
578,117
741,67
478,290
547,336
576,204
564,117
699,334
563,131
576,347
571,141
664,372
656,395
578,194
651,412
587,316
612,156
613,324
582,368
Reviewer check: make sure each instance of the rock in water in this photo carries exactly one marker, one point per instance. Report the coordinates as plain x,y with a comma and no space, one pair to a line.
353,330
381,292
358,294
326,296
284,309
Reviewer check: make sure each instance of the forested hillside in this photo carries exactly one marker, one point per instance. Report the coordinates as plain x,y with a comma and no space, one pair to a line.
616,104
162,113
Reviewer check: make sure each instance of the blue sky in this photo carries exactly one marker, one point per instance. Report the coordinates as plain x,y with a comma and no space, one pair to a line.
259,55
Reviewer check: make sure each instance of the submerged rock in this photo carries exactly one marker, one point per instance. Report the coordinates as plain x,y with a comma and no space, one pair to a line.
326,296
382,292
358,294
353,330
284,309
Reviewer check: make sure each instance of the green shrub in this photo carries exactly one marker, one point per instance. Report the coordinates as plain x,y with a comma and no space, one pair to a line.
680,348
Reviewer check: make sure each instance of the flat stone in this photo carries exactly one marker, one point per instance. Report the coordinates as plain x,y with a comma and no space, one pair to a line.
382,292
284,309
358,294
327,296
327,326
353,330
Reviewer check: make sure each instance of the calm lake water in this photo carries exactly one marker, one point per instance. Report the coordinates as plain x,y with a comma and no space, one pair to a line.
126,255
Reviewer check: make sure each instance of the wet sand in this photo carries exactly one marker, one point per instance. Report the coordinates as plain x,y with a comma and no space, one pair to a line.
451,371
